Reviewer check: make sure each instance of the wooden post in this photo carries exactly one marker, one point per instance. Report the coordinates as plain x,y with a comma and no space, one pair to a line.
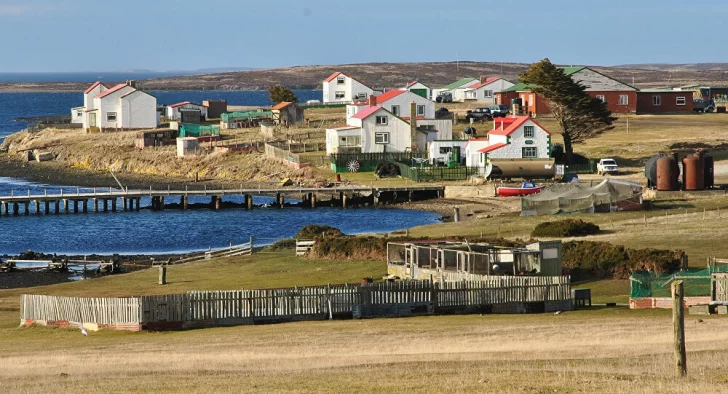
185,201
456,218
162,274
313,201
678,321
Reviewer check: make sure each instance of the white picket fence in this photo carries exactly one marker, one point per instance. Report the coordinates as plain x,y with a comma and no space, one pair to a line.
303,246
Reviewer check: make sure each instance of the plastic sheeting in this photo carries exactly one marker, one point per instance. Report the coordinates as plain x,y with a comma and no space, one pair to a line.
608,196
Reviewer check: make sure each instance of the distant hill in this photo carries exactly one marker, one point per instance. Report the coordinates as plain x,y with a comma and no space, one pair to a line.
394,75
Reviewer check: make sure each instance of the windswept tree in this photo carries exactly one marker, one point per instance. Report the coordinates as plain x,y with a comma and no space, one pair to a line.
579,115
278,94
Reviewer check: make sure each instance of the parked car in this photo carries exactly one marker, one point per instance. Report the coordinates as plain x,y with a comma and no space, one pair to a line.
499,110
444,97
607,166
481,113
701,105
313,102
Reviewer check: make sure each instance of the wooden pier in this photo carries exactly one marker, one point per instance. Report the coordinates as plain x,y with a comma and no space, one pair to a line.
113,200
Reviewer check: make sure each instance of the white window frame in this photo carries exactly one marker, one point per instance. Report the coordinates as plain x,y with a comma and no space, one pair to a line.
525,148
340,80
111,116
79,113
381,137
361,96
526,130
678,100
420,110
339,94
382,120
656,100
395,110
623,99
601,97
487,93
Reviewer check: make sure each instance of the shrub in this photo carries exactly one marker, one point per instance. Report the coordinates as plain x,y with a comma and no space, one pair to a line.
565,228
313,231
589,259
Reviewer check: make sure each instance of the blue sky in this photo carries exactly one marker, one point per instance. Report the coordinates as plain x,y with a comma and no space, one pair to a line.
102,35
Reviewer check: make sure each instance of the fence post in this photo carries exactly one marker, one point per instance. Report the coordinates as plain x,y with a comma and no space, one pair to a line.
678,321
162,274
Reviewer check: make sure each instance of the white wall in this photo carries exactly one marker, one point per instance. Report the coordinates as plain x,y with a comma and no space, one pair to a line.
518,141
404,100
443,127
138,111
479,93
473,157
110,103
333,137
88,98
173,113
399,134
434,149
77,114
420,85
350,87
458,94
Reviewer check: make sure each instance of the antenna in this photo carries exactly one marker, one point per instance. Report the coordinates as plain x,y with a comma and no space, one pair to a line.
457,62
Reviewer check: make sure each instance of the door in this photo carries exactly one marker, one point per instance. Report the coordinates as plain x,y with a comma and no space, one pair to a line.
420,92
92,119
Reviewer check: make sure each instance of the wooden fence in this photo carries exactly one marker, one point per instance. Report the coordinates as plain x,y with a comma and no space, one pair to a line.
235,307
244,249
303,246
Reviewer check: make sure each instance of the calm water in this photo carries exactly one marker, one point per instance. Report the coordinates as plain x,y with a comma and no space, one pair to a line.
149,231
28,105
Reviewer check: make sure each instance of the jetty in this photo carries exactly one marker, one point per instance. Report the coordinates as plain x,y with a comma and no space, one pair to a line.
105,200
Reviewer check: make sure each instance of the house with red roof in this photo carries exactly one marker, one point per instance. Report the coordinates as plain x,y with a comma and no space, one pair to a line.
398,102
341,88
485,91
174,111
120,107
287,113
517,137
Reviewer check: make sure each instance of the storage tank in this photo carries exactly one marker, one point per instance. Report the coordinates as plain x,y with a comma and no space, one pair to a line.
651,169
668,173
708,167
522,168
693,173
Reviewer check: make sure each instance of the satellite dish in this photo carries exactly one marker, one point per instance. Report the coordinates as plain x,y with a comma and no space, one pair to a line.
488,169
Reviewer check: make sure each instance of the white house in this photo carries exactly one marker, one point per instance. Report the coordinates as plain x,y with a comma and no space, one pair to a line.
77,114
173,111
457,88
339,88
420,89
120,107
397,102
473,157
440,151
515,138
484,92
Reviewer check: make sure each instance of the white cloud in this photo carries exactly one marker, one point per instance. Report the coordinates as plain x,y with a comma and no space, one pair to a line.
21,9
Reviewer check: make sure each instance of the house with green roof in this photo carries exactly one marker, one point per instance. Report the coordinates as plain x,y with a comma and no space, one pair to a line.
457,88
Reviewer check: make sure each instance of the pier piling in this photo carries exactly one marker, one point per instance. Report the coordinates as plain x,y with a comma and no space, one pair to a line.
37,207
65,205
47,207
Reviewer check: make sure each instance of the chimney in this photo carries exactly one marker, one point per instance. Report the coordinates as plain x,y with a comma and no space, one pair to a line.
372,100
483,78
413,125
131,83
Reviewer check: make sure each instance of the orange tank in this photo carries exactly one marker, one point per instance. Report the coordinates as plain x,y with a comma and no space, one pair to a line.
693,172
668,173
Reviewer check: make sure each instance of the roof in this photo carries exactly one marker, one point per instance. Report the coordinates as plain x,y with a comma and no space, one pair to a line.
519,87
408,118
179,104
571,70
332,76
92,87
345,128
135,91
366,112
415,82
476,140
111,90
388,95
458,83
281,105
664,91
513,123
493,147
488,81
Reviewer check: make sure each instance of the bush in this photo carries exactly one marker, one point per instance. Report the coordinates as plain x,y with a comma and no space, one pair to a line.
565,228
589,259
313,231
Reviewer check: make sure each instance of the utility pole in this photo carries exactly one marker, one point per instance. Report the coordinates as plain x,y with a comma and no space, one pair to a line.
457,63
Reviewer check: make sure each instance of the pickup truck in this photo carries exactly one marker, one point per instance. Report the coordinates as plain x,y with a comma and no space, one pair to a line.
481,113
701,105
607,166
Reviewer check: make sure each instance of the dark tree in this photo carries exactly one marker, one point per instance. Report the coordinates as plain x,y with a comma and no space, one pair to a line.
579,115
280,93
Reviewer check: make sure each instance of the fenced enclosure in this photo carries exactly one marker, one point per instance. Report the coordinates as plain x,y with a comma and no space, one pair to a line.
425,173
340,162
238,307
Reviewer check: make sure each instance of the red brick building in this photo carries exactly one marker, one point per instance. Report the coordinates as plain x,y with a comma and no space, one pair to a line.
664,101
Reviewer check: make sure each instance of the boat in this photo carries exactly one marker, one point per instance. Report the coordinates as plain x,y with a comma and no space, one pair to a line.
525,189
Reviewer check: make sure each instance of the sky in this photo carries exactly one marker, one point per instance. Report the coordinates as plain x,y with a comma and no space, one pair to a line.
106,35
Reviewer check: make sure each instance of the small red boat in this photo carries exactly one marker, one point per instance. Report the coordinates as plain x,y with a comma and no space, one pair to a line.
525,189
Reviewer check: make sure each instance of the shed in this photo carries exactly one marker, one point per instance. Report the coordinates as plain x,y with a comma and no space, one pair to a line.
287,113
215,108
147,139
187,146
440,151
191,116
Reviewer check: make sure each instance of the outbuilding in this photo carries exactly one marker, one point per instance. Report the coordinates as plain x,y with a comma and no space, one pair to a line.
664,101
419,89
287,113
174,110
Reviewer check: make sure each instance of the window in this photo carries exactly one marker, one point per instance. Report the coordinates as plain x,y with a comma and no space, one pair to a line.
623,99
656,100
601,97
361,96
79,113
381,120
381,138
487,93
529,153
350,141
340,80
680,100
420,110
445,150
395,110
339,94
111,116
528,131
